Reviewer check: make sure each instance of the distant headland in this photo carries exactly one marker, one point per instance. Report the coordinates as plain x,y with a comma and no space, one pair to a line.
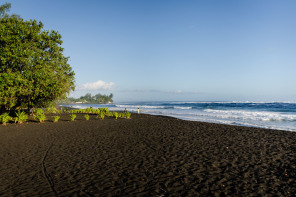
88,98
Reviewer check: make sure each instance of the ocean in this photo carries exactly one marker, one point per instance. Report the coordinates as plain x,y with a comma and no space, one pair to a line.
273,115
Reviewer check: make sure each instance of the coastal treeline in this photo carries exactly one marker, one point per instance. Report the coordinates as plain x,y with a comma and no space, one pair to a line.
33,69
88,98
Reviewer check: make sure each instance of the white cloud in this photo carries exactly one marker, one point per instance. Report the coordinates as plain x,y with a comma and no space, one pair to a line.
98,85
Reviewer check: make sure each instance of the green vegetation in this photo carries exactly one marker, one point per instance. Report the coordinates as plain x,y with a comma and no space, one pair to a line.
128,115
86,116
56,118
52,110
20,117
39,115
72,117
5,118
35,73
88,98
115,114
33,69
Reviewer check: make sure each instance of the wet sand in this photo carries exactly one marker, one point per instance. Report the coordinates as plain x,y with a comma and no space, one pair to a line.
145,156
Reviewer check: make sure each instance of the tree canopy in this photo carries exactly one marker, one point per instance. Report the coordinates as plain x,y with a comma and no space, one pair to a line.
88,98
33,69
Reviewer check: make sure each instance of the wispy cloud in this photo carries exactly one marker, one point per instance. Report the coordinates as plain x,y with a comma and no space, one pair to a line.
98,85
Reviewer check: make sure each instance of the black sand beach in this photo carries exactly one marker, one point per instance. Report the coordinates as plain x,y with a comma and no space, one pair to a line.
145,156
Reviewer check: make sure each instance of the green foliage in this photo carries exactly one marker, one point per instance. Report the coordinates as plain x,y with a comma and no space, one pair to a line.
128,115
20,117
5,118
39,115
33,69
38,111
115,114
86,116
56,118
102,116
88,98
59,111
109,114
3,9
52,110
104,110
72,117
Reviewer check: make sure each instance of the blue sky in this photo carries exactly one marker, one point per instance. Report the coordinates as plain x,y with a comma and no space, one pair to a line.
155,50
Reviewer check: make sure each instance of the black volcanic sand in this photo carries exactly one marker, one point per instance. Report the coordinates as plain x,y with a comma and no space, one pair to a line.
145,156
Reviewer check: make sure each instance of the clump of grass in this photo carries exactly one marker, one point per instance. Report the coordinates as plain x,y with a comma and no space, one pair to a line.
105,110
121,115
109,114
39,115
37,111
59,111
56,118
20,117
51,110
5,118
115,114
86,116
101,115
72,117
128,115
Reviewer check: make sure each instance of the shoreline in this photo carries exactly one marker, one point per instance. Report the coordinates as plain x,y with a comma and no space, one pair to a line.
146,155
65,118
280,116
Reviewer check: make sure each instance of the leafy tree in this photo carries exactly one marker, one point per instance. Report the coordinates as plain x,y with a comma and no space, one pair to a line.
3,9
88,98
33,69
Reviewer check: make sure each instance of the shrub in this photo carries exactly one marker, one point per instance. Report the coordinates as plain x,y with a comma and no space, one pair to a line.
115,114
37,111
128,115
5,118
105,110
21,117
90,110
102,115
52,110
109,114
72,117
59,111
86,116
56,118
97,111
39,115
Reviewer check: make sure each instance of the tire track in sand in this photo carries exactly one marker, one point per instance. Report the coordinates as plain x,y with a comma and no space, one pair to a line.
46,175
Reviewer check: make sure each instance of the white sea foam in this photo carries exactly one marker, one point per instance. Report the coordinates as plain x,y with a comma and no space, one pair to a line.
251,115
176,107
275,116
141,106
